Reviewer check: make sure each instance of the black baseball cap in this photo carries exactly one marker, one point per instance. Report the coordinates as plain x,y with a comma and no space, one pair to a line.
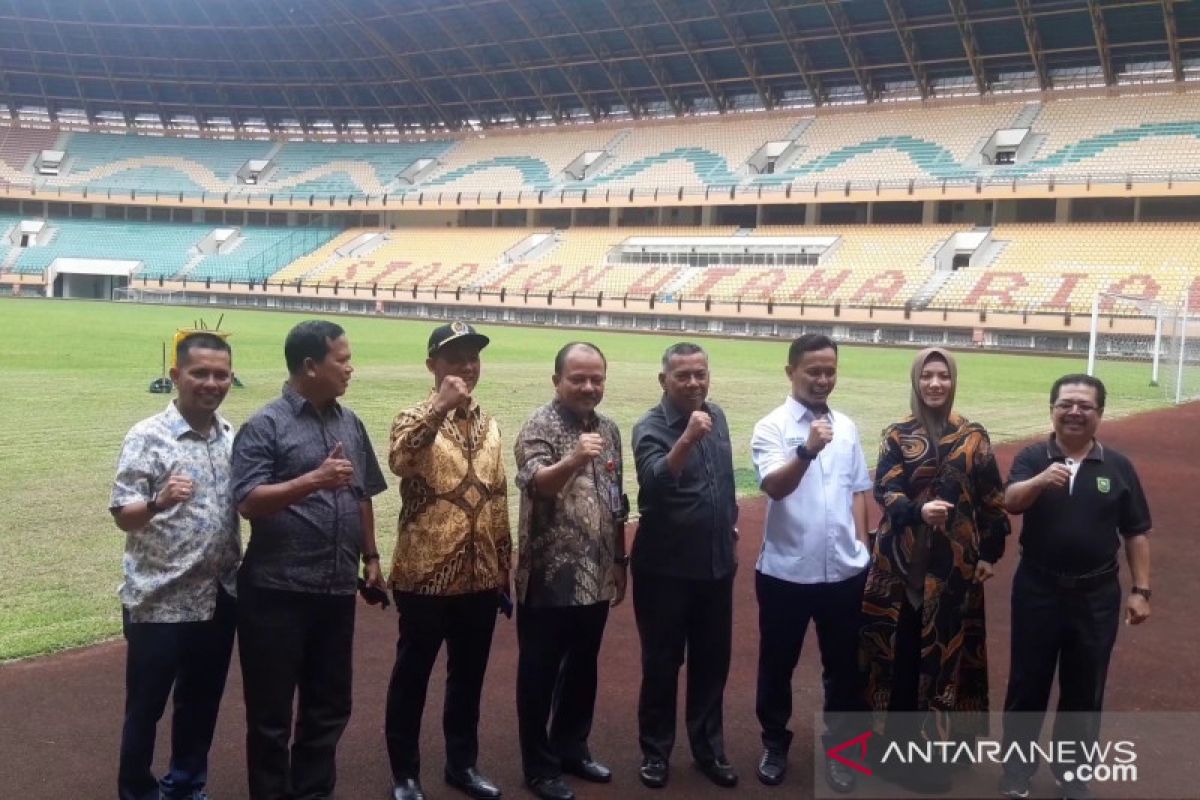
453,332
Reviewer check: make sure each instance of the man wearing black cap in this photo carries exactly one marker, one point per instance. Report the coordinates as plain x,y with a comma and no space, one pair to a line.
450,572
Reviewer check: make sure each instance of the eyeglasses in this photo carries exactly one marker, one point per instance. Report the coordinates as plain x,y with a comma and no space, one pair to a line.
1066,405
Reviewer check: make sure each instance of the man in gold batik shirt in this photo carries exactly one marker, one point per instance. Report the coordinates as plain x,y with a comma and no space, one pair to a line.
450,571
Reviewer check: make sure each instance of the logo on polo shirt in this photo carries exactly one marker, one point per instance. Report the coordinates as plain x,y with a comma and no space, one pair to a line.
1103,485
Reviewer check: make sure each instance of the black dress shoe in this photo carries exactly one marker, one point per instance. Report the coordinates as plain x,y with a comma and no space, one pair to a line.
772,767
589,770
408,789
550,788
719,771
839,777
654,772
473,783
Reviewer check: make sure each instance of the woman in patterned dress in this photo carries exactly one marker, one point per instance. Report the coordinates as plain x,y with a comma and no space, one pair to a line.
943,528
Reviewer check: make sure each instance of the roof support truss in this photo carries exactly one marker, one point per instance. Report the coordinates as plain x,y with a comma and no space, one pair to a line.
1100,30
569,73
402,66
907,41
535,83
636,38
841,24
1168,8
737,36
795,46
695,59
615,79
484,73
970,46
1034,41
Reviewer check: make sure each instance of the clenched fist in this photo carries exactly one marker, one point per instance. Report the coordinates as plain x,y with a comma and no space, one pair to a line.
452,394
936,513
1056,476
819,435
589,446
178,490
699,425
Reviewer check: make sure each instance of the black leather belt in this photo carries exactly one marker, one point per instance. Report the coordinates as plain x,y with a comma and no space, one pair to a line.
1087,580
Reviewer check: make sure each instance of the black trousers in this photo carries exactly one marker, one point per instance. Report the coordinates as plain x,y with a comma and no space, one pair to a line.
191,658
678,617
465,622
556,676
294,643
904,725
784,612
1073,630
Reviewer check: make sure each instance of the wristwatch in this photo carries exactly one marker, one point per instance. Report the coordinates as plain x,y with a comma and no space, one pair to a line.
803,453
1144,592
152,506
621,561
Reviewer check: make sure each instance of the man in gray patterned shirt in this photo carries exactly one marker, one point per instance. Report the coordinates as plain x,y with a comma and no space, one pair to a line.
172,498
572,567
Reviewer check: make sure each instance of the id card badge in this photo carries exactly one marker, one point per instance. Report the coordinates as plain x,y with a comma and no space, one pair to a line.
614,499
614,491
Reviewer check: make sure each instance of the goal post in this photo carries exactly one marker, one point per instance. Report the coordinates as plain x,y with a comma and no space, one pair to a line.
1143,349
144,294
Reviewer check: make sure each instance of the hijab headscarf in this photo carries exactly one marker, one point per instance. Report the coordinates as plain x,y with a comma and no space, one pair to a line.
933,420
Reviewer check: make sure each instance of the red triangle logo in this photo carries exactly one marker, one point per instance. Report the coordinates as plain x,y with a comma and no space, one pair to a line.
858,764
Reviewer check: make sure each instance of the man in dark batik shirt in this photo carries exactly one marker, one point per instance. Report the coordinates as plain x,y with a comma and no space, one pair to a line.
571,569
304,473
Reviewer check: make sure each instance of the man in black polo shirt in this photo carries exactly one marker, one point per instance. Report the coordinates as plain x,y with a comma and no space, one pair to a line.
1079,500
683,562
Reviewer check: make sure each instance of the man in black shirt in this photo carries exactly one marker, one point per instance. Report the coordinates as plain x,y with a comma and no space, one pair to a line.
683,562
304,473
1079,500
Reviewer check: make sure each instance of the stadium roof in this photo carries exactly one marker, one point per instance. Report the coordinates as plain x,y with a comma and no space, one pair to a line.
449,64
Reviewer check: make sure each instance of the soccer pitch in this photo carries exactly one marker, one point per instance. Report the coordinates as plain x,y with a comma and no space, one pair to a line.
75,377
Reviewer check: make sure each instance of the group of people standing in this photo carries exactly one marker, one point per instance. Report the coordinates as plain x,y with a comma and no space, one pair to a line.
899,613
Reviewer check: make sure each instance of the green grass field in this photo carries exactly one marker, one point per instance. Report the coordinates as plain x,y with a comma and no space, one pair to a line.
75,376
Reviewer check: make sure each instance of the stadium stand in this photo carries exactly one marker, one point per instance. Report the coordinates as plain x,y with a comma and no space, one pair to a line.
446,257
18,148
169,251
577,264
318,168
1147,134
691,154
894,144
1061,267
102,161
882,265
512,162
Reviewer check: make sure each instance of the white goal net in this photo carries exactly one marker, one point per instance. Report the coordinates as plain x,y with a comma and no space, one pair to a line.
145,294
1144,350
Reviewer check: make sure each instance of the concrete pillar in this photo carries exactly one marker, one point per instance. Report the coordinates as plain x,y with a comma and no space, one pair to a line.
929,212
1062,210
811,214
